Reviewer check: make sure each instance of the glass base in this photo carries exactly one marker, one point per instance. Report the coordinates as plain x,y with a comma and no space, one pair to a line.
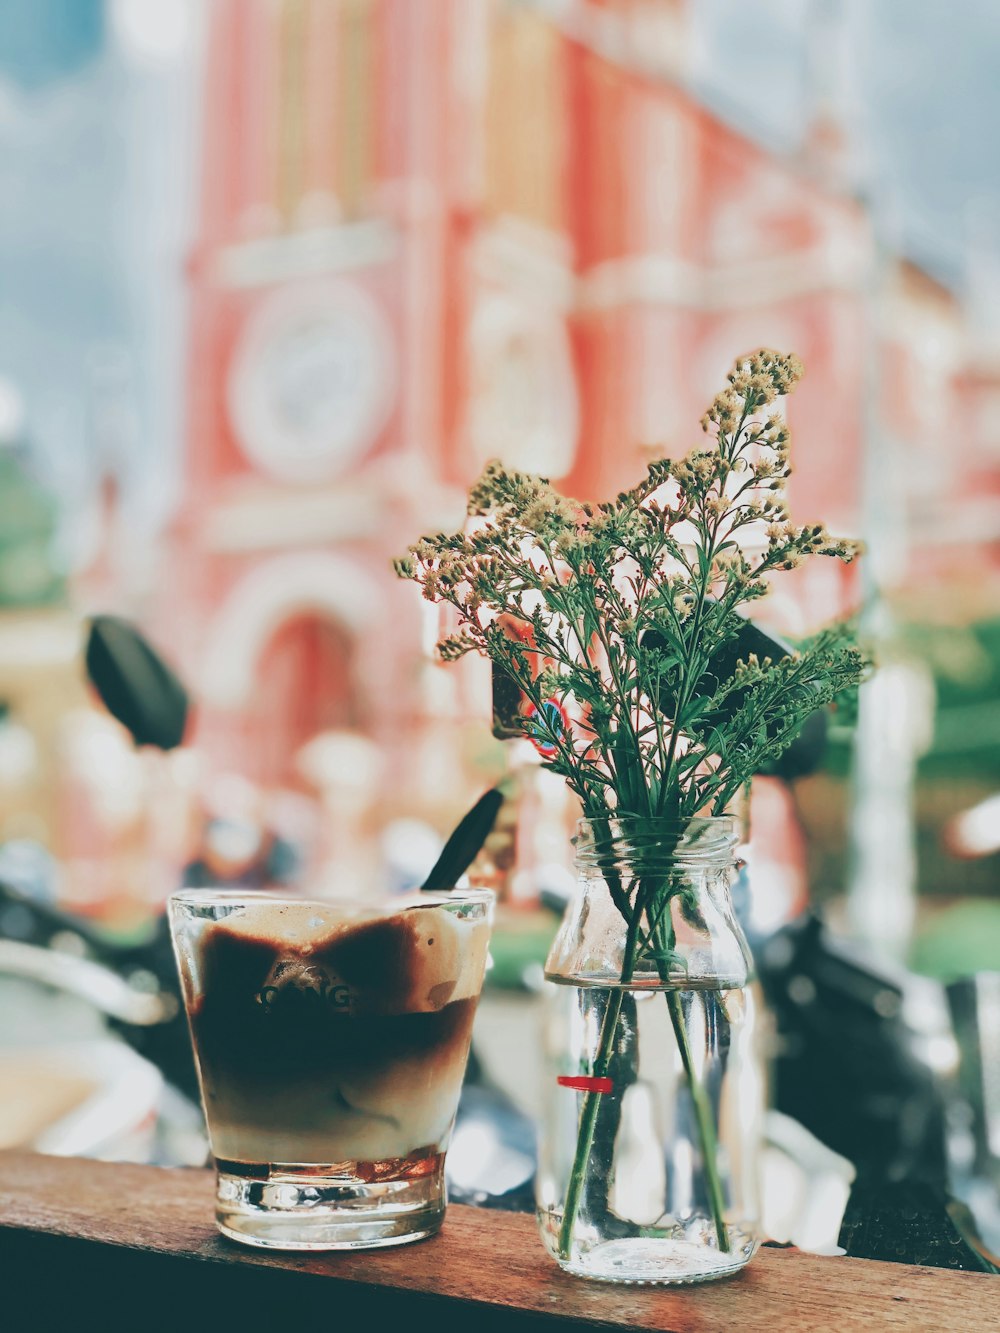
280,1209
664,1260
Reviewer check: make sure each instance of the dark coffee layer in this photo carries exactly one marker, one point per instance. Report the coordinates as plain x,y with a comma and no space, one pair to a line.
268,1011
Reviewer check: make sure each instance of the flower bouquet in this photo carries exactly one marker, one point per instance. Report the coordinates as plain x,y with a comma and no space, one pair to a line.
622,624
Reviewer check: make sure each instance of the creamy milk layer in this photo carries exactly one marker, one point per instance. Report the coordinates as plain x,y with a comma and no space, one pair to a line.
326,1037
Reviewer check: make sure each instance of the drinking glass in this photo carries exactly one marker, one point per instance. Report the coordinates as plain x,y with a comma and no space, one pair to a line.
331,1039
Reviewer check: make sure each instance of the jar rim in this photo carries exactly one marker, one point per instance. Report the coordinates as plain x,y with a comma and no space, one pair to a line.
415,901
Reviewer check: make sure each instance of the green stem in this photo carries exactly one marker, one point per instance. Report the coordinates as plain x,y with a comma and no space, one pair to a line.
699,1096
703,1116
588,1120
591,1100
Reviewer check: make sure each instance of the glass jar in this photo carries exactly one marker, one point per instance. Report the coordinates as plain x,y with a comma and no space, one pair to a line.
648,1142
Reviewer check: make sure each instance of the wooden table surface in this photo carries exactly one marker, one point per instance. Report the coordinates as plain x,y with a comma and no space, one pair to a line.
88,1245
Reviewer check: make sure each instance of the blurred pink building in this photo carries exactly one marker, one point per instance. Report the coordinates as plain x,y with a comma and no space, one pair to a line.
433,234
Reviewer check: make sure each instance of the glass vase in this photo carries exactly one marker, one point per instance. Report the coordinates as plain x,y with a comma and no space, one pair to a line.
649,1139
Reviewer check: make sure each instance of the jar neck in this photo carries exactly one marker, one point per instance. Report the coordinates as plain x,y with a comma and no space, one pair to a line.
652,908
632,846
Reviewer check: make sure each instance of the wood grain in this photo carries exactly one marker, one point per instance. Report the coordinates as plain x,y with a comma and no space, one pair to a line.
90,1245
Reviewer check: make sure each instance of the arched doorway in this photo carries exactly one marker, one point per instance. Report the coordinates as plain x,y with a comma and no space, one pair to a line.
282,661
304,684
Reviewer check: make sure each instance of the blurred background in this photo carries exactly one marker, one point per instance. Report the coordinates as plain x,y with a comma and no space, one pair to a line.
278,276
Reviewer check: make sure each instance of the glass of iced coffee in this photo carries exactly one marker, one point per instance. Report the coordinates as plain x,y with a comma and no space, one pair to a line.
331,1040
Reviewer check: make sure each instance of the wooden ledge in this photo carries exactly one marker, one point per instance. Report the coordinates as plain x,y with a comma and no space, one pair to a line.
91,1245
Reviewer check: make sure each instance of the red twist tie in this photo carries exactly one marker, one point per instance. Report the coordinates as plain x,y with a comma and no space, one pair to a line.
584,1083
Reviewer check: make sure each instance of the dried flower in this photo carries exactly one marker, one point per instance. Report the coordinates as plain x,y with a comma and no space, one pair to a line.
615,600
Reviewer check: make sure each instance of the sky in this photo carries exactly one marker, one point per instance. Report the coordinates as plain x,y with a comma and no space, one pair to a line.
96,186
920,81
